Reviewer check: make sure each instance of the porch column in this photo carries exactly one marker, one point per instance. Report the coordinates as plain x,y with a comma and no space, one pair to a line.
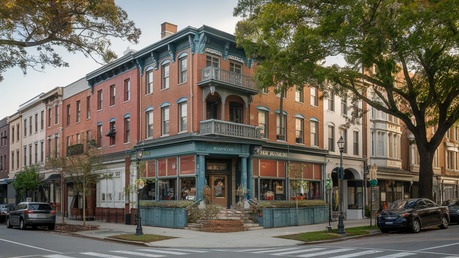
223,109
244,173
250,179
201,176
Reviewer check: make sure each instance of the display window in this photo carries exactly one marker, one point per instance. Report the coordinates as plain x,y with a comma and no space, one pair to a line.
188,188
304,190
167,189
355,194
272,189
147,193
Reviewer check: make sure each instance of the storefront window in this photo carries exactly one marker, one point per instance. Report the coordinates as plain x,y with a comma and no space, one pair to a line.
354,194
148,191
167,189
304,190
188,188
271,189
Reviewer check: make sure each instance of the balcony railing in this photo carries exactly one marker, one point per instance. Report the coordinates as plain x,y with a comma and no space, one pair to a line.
225,128
227,77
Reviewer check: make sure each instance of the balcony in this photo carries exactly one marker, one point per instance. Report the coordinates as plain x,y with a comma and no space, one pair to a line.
227,80
224,128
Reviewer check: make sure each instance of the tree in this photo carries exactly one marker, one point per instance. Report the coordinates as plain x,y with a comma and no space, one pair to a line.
30,30
27,180
84,170
401,57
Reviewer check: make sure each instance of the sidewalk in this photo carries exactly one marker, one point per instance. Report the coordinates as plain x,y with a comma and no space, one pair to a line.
197,239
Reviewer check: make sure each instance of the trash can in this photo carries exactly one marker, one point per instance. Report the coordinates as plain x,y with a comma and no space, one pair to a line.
127,219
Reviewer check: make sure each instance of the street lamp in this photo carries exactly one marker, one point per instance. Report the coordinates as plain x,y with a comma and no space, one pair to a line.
138,218
341,143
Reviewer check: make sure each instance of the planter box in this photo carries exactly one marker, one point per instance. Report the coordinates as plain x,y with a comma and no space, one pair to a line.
164,217
284,217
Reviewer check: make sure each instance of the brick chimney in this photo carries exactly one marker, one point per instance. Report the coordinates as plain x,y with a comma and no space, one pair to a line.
168,29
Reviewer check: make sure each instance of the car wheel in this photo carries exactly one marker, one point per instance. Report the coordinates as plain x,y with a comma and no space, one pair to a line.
22,225
8,224
416,226
51,227
384,230
444,223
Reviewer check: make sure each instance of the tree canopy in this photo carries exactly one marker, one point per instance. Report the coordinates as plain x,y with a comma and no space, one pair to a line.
401,57
27,180
30,30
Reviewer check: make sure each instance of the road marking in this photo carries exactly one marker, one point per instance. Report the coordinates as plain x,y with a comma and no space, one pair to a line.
326,252
57,256
271,250
190,250
299,251
358,254
440,246
397,255
252,250
31,246
138,253
101,255
161,251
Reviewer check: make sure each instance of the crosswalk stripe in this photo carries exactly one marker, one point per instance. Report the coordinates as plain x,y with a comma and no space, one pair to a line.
397,255
57,256
101,255
270,250
299,251
161,251
189,250
253,250
358,254
138,253
326,252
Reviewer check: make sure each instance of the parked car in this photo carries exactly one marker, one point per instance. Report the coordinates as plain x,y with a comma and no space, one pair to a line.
32,214
413,214
453,206
4,210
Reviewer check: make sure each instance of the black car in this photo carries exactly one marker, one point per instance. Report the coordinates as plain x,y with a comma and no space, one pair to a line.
453,206
32,214
413,214
4,210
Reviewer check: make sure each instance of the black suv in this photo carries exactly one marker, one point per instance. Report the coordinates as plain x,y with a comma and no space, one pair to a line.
32,214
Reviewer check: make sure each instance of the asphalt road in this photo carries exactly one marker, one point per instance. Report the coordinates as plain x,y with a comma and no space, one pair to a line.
42,243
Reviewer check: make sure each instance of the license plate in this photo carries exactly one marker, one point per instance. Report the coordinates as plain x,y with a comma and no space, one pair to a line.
389,222
390,218
38,216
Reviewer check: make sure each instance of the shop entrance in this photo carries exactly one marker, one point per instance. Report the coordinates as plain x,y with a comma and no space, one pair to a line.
219,186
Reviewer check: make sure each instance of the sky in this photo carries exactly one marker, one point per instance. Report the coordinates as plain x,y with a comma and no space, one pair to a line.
148,15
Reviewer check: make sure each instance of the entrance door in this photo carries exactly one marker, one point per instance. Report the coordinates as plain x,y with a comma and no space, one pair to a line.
219,187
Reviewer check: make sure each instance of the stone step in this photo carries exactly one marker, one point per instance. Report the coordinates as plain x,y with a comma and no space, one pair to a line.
251,225
254,228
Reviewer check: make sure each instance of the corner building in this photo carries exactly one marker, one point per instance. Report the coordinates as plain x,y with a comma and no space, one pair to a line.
204,123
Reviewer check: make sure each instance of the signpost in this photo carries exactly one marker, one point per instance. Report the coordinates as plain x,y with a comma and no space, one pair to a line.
373,182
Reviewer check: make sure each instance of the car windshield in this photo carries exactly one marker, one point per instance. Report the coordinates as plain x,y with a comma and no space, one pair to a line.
450,203
41,207
402,204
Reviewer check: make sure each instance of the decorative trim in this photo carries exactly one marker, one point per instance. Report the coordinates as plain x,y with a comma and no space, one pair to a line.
283,111
99,123
213,51
164,104
182,99
171,50
127,115
149,108
200,40
313,119
155,59
192,44
149,68
300,116
183,54
165,62
226,50
112,120
263,108
236,58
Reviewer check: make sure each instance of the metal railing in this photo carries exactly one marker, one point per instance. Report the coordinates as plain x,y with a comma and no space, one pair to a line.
225,128
233,78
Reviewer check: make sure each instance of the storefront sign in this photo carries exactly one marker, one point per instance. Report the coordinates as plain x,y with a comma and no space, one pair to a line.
213,51
270,153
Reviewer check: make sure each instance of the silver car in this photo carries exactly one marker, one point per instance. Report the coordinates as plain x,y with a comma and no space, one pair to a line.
32,214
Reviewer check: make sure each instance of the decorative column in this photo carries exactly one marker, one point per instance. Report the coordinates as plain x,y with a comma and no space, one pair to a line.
201,176
250,179
244,174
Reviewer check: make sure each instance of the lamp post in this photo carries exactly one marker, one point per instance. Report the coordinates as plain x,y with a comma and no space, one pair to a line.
341,143
138,218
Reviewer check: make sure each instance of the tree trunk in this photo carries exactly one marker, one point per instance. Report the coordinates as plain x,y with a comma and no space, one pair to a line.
84,202
426,173
62,198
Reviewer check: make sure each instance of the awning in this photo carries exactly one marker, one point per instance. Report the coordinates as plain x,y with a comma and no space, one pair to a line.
4,181
53,177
